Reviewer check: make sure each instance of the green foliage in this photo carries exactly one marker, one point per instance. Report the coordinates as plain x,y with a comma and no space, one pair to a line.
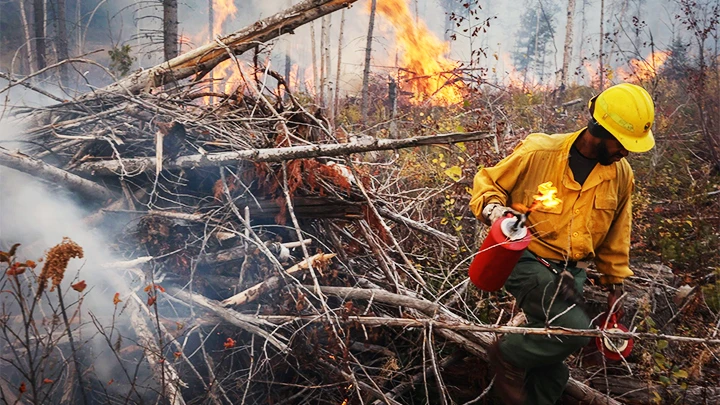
120,60
537,28
676,66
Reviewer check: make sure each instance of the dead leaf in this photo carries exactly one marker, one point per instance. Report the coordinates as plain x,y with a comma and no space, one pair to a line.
16,269
151,301
23,388
47,381
116,298
229,343
79,286
13,249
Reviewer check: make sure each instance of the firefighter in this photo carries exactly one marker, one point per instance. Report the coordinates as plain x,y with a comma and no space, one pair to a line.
592,223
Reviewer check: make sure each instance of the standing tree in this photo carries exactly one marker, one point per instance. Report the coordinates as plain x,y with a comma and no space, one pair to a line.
702,19
39,23
676,65
567,50
366,71
28,41
537,29
601,71
62,39
170,28
336,97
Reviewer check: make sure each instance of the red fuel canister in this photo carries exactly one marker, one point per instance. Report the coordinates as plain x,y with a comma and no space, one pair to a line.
499,253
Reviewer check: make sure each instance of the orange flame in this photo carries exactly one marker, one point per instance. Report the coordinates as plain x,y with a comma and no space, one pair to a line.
644,69
592,73
309,80
430,73
546,196
223,9
293,81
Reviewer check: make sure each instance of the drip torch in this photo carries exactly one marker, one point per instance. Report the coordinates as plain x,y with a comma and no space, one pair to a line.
501,250
613,348
505,243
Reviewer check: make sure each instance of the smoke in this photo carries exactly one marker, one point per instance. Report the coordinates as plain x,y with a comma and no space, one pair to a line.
39,215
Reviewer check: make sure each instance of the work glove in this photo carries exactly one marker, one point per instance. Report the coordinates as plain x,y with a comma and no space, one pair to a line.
492,212
615,291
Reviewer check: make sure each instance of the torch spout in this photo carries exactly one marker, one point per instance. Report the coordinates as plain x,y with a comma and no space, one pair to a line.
521,219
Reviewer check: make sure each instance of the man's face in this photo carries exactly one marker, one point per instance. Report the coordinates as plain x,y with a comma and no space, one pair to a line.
610,151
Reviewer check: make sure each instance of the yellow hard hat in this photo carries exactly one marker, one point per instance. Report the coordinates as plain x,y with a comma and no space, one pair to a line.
627,112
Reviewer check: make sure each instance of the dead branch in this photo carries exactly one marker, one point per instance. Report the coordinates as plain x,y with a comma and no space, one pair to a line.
147,164
273,282
238,252
380,295
245,322
170,376
42,170
443,237
128,263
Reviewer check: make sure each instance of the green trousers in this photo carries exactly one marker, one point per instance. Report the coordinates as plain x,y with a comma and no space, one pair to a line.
533,285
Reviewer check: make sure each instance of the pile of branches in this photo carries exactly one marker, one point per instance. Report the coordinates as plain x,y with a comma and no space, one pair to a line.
278,266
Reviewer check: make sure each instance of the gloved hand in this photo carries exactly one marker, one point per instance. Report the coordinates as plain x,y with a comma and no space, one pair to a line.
492,212
615,291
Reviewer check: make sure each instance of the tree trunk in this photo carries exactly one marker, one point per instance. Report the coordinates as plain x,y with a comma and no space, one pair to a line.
39,20
327,84
170,29
203,59
211,38
315,83
336,97
147,164
601,72
567,51
28,41
62,40
52,174
366,72
78,19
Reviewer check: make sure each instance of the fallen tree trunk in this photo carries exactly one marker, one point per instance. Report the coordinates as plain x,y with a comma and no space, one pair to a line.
147,164
52,174
204,58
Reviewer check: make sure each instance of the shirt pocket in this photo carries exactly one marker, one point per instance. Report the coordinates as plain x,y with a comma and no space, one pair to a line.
604,208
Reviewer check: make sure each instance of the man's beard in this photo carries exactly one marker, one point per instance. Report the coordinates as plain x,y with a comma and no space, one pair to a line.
604,157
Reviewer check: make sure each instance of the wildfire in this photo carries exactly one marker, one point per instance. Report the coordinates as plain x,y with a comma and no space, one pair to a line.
429,73
644,69
222,9
546,196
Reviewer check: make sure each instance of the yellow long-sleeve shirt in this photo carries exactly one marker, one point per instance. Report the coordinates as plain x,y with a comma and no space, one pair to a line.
593,221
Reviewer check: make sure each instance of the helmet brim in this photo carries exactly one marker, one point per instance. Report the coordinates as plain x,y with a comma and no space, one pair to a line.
637,145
